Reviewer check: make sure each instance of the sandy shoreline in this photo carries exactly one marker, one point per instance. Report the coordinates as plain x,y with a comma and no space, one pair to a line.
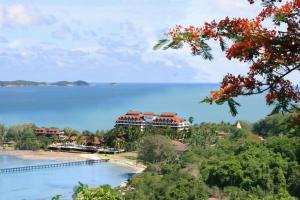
67,156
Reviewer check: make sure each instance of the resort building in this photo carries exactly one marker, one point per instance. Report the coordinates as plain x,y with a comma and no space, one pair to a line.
142,120
48,131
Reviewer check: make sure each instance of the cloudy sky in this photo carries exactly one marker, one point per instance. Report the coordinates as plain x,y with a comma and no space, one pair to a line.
108,41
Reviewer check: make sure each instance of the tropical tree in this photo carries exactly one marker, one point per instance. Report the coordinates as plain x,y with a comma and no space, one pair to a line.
156,148
272,53
204,135
276,124
104,192
191,120
71,132
2,132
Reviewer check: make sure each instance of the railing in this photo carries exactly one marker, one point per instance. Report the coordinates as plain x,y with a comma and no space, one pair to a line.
54,165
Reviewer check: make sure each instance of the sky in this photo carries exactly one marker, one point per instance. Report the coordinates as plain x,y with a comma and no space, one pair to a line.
109,41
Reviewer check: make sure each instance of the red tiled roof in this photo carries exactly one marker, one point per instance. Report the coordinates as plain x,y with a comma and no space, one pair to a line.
149,113
132,112
173,119
44,130
168,114
132,115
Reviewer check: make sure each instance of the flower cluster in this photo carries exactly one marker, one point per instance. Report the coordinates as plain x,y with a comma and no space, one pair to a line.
273,53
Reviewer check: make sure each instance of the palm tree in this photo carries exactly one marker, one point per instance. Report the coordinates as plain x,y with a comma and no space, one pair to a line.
191,120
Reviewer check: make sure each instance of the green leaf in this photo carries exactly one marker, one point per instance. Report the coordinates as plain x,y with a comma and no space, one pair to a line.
207,55
233,106
223,45
206,100
57,197
160,44
276,109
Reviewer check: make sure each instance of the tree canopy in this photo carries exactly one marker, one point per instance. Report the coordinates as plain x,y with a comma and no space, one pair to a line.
156,148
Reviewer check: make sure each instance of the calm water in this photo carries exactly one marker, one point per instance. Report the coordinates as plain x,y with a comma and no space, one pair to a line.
46,183
97,107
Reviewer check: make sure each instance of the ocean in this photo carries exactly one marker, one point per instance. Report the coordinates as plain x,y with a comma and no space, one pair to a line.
97,106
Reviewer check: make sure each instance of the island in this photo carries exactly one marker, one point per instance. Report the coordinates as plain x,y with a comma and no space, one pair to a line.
23,83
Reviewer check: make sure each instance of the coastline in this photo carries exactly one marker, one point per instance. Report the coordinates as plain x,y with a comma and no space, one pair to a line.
68,156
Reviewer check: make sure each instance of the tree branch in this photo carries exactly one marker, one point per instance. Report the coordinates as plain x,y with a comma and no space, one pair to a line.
273,83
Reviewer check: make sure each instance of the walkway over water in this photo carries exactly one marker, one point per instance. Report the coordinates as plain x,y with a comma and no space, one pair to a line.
54,165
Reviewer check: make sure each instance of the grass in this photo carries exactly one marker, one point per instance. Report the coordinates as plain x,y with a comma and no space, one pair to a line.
127,155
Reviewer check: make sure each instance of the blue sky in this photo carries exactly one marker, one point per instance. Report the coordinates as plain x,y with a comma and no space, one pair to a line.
109,41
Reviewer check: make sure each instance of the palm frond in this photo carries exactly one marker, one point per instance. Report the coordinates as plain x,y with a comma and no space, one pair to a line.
233,106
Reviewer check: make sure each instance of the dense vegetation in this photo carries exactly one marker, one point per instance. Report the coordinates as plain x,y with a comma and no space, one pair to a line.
23,137
237,167
130,138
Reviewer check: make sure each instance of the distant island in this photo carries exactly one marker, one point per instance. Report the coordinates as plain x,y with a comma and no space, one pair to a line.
23,83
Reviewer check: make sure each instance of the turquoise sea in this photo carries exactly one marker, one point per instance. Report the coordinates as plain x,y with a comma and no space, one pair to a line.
46,183
97,107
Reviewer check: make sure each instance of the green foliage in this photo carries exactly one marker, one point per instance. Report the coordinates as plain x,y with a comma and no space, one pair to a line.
104,192
175,185
2,132
275,125
293,180
24,137
71,132
223,173
239,166
288,147
127,138
203,135
250,168
233,106
191,120
130,138
56,197
156,148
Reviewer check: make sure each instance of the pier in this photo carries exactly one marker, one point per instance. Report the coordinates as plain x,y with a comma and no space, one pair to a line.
54,165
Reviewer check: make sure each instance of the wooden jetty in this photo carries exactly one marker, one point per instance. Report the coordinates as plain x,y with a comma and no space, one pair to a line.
53,165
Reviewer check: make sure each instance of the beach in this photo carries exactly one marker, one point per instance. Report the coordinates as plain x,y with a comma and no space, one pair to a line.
119,159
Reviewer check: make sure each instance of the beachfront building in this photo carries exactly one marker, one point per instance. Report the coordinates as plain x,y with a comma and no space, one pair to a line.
172,120
142,120
49,132
131,118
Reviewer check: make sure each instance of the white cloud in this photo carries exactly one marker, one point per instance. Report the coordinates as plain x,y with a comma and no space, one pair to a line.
19,15
123,45
62,32
3,40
